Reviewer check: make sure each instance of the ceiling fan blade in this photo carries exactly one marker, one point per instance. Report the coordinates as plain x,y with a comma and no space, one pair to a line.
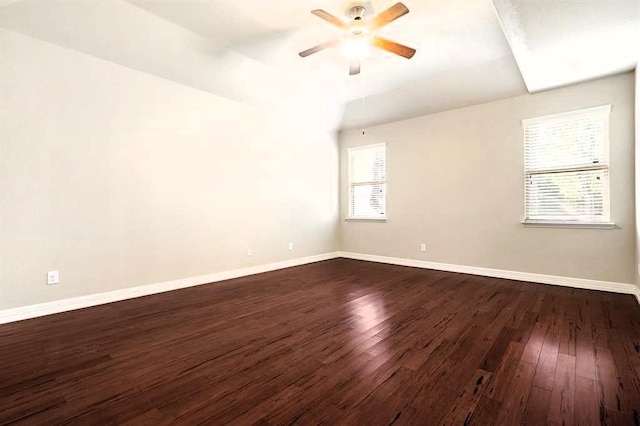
354,68
393,47
389,15
318,48
330,18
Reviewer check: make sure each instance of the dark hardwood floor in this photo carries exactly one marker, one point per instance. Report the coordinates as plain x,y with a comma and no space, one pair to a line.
335,342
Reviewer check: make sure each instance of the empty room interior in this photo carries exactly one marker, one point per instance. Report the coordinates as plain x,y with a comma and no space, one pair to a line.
320,212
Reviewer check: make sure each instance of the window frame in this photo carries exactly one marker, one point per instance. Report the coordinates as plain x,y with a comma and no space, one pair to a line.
350,183
606,223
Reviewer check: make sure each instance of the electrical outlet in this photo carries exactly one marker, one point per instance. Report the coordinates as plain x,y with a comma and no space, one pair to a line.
423,247
249,251
290,246
53,277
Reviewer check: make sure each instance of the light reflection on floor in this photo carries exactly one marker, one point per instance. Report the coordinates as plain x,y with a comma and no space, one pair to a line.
367,313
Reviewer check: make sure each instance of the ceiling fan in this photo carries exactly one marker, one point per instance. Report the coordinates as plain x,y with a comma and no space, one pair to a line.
358,35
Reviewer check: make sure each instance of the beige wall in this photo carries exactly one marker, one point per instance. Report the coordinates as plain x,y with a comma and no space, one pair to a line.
117,178
455,182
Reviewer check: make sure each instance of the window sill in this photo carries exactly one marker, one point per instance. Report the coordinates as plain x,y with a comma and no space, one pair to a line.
569,225
366,219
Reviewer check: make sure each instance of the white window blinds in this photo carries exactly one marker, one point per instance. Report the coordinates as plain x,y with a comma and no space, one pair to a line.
567,167
367,182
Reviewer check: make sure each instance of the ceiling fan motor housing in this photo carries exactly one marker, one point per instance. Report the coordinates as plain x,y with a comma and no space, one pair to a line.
357,12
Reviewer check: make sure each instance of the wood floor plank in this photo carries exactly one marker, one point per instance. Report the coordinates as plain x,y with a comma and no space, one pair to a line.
546,366
585,355
567,343
465,403
515,401
485,413
537,410
586,396
499,386
534,344
607,382
334,342
562,405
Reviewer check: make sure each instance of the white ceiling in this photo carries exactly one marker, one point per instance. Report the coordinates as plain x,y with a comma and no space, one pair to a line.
247,51
561,42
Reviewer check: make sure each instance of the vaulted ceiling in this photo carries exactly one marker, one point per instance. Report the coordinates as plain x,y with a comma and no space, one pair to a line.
469,51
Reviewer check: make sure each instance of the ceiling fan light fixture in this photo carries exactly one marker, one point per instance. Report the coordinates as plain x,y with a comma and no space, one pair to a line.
356,46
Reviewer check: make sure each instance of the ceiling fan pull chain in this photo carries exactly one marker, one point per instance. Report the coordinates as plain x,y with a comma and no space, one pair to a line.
363,116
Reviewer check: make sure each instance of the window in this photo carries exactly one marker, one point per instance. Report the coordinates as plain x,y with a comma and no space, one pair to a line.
367,182
567,169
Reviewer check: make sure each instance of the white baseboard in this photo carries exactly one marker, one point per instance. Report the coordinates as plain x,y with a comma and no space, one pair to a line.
48,308
500,273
